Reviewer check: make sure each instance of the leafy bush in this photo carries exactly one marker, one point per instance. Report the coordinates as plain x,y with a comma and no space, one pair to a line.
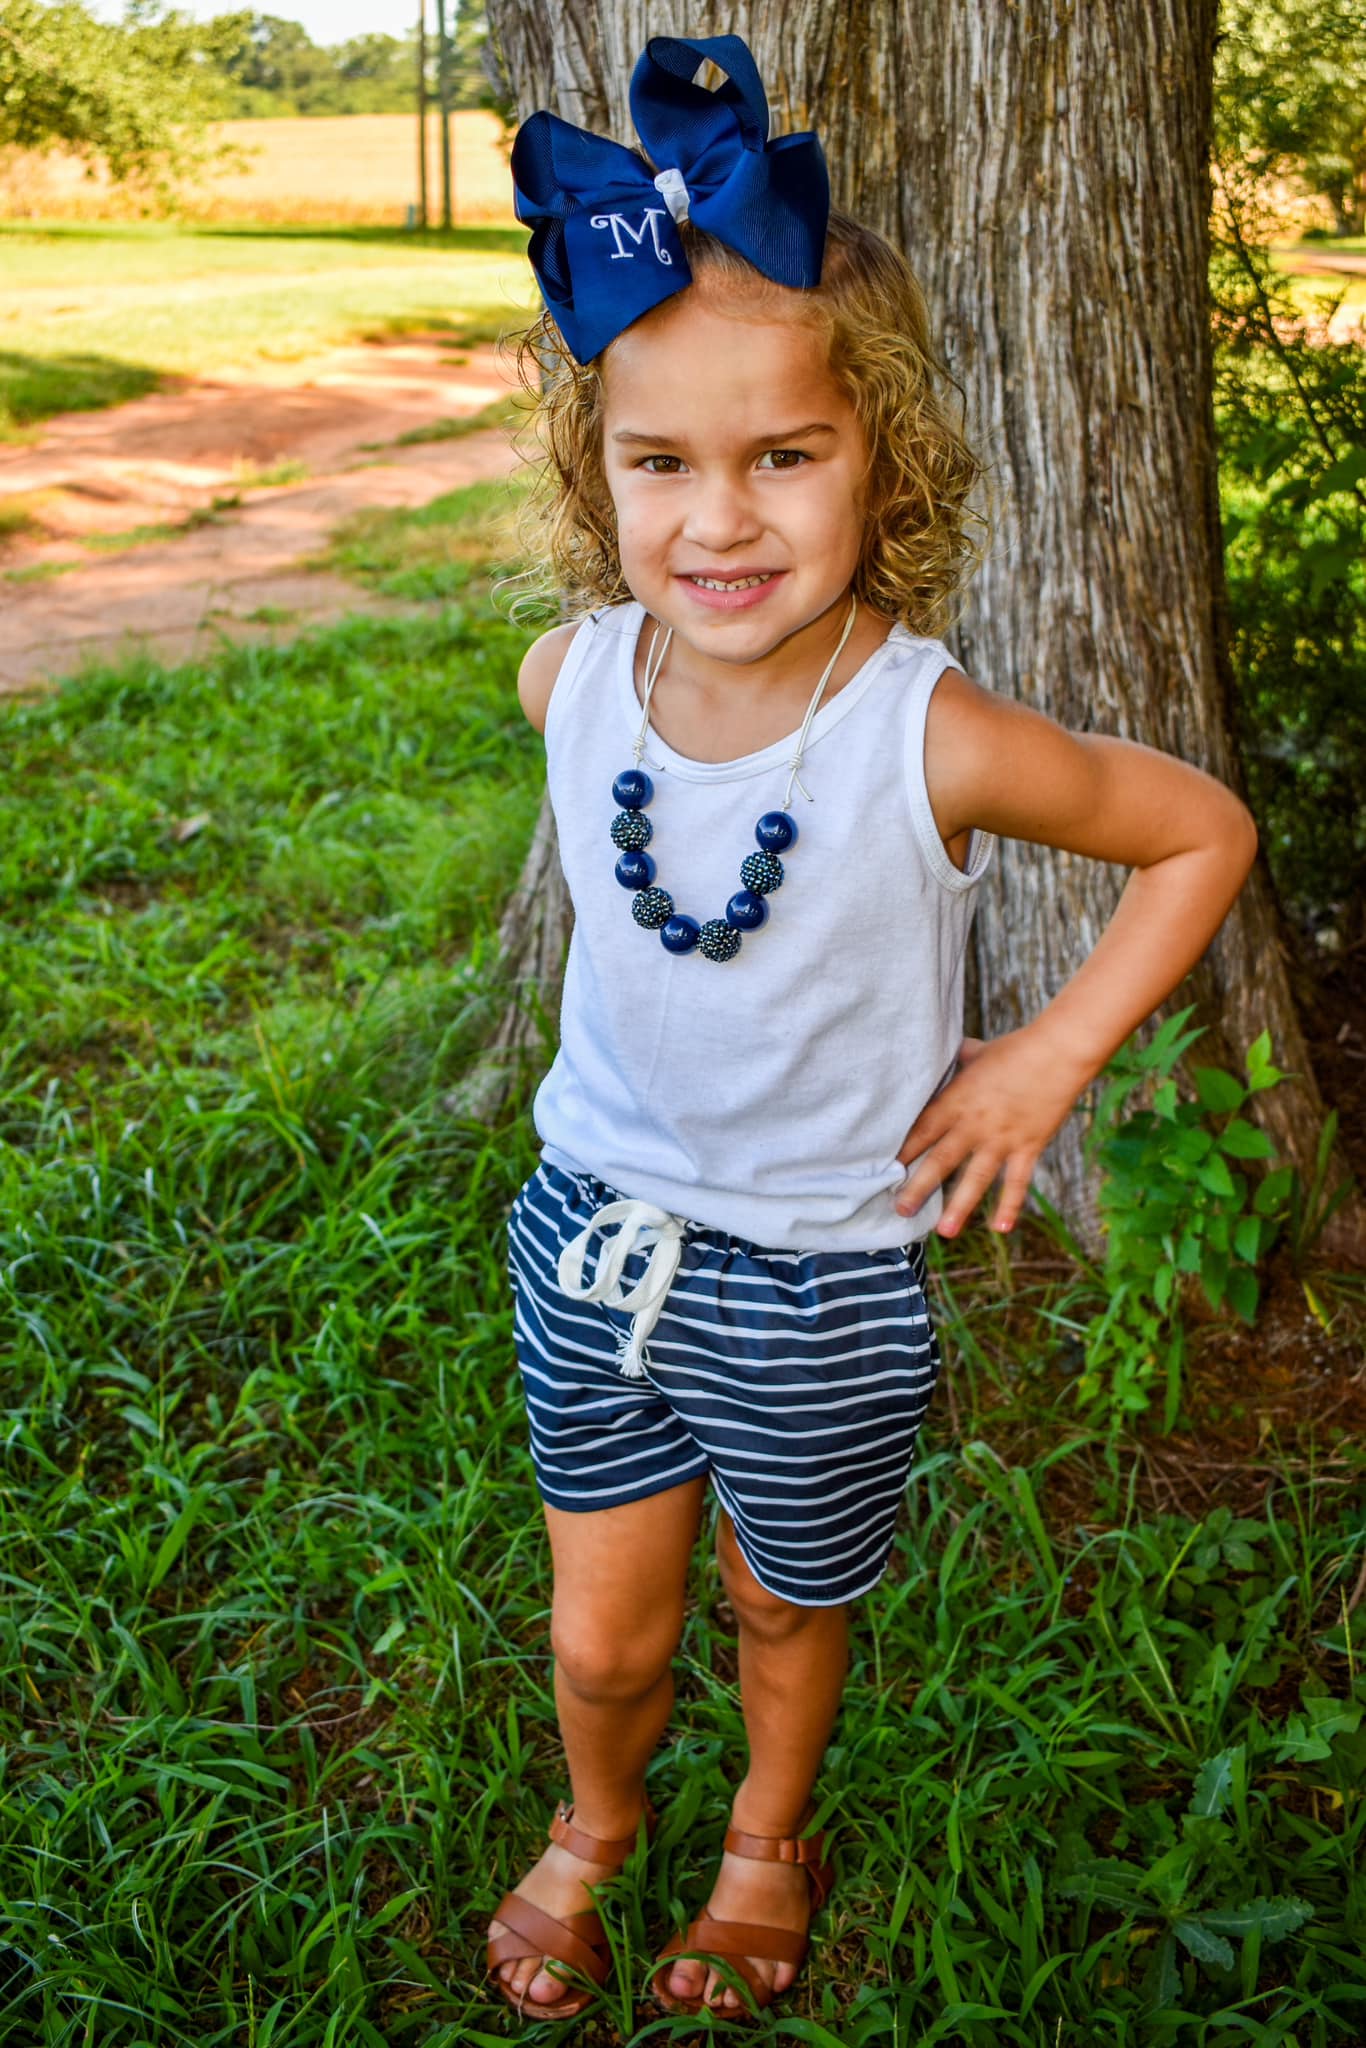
1291,413
1176,1202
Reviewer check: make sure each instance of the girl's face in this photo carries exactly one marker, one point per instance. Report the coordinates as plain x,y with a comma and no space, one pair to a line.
737,469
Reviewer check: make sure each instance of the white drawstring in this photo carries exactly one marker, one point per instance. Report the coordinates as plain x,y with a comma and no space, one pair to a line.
640,1225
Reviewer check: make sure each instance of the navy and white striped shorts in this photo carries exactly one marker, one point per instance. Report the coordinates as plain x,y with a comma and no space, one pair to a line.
797,1380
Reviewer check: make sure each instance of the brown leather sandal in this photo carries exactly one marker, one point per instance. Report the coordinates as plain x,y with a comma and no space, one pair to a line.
578,1942
731,1941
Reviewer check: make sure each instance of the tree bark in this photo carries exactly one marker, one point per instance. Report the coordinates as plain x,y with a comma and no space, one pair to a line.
1045,167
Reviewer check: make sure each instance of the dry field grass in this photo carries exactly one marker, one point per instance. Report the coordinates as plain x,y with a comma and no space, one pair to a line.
348,168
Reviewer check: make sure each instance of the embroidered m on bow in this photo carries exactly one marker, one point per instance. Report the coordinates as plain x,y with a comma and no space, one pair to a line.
620,226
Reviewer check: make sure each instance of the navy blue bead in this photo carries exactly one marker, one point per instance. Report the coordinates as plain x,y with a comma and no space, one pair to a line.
746,911
635,871
762,872
652,908
632,831
681,933
718,940
776,831
632,789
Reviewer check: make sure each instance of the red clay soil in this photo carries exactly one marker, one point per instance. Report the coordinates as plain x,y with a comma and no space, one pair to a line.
185,458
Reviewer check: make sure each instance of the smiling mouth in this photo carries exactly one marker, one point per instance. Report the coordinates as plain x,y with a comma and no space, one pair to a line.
737,583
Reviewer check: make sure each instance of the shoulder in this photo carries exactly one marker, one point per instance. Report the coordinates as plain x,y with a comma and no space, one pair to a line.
541,665
978,740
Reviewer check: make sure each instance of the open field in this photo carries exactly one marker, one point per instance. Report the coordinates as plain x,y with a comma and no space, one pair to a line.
328,169
95,314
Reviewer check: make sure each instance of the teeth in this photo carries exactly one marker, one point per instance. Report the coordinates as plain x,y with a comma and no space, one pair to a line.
742,583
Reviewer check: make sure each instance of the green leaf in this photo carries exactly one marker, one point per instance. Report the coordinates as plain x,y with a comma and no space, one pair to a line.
1274,1192
1330,1718
1169,1041
1242,1291
1215,1176
1213,1275
1247,1238
1260,1071
1204,1946
1242,1140
1218,1091
1106,1882
1213,1783
1273,1919
1193,1144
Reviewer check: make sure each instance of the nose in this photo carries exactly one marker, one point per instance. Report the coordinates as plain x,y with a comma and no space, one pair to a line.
720,514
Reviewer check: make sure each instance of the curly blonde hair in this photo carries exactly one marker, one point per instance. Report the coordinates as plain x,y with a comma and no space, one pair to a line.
921,535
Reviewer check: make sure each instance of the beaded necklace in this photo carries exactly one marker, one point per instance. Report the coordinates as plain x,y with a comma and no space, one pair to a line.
761,873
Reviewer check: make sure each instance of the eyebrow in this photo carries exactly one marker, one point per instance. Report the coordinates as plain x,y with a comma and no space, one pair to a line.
777,439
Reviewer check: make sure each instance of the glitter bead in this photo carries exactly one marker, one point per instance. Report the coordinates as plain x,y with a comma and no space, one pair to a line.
746,911
653,908
776,831
632,789
718,940
635,871
762,872
680,934
632,831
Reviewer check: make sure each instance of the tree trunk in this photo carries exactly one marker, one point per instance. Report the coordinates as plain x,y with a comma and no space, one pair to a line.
1045,167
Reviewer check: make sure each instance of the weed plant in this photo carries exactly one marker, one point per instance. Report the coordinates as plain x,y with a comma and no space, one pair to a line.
275,1698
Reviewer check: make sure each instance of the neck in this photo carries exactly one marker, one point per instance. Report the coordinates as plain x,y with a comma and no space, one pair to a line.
792,662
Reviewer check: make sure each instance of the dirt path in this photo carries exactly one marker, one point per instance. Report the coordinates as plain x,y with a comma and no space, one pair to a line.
191,459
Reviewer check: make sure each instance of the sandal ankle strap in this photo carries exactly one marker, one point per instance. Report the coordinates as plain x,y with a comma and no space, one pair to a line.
775,1848
593,1848
807,1851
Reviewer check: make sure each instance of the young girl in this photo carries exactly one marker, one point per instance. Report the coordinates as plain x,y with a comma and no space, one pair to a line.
762,1082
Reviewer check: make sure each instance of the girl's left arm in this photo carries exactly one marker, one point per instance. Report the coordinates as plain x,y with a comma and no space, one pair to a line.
992,763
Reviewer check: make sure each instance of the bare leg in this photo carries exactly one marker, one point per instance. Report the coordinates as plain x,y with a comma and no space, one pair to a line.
792,1668
616,1618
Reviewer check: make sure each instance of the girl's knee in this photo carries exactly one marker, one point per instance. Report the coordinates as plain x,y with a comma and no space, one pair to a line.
607,1662
764,1614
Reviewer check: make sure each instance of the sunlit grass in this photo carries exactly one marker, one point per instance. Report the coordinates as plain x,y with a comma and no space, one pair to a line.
96,314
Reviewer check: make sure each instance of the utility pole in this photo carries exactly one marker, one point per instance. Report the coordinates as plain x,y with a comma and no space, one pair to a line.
422,113
443,88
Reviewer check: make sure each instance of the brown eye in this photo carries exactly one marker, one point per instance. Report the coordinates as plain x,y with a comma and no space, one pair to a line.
646,463
782,458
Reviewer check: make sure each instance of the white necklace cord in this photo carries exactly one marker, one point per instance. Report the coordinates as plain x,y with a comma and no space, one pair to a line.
640,1225
794,779
653,665
652,668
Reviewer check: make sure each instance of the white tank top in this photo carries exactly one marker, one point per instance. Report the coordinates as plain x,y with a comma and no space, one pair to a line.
767,1095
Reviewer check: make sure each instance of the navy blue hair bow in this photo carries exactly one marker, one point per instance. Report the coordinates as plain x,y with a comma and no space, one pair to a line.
605,245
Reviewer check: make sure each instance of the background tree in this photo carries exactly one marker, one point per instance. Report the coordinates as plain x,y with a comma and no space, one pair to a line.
1292,76
271,67
1046,169
134,97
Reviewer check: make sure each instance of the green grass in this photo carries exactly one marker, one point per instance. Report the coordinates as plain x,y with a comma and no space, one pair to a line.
16,520
503,412
434,552
275,1710
95,314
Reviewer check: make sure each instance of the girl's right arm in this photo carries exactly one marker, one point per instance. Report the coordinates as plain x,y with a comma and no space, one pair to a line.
540,666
